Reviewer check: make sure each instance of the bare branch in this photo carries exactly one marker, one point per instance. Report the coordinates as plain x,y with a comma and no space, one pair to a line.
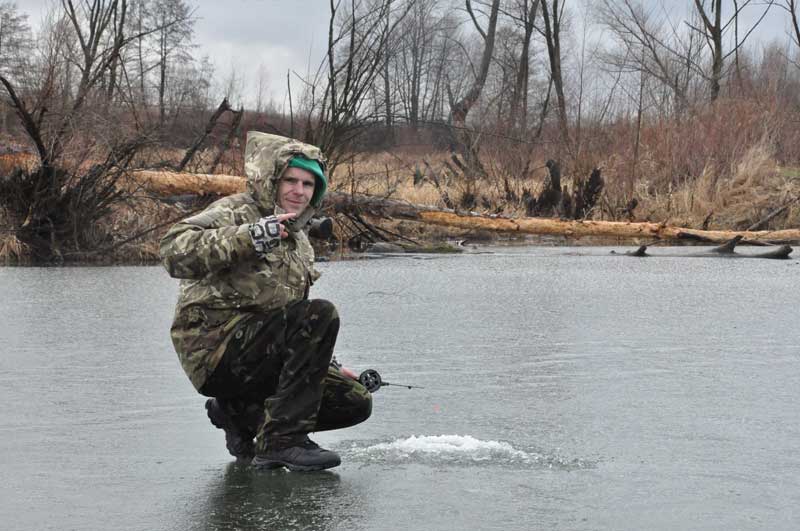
474,20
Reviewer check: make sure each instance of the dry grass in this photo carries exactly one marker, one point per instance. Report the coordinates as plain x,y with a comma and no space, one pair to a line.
392,175
731,194
724,166
753,187
137,216
718,165
13,161
13,251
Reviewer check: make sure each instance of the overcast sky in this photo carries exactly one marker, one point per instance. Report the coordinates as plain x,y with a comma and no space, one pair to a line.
244,34
278,34
284,34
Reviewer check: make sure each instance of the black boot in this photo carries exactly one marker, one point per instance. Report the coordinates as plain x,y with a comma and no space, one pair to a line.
298,454
239,441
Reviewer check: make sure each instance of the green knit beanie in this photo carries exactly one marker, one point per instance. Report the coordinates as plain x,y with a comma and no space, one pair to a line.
315,168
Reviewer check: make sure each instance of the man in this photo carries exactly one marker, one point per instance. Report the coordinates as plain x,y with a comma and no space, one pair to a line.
244,329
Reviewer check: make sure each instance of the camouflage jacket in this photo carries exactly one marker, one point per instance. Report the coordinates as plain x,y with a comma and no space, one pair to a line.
222,279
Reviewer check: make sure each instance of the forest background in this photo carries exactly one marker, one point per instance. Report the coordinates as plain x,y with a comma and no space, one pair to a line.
689,109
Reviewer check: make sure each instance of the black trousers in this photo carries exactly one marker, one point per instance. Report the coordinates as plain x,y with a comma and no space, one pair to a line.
275,377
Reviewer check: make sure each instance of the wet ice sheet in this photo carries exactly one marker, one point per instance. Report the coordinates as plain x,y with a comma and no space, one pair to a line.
561,392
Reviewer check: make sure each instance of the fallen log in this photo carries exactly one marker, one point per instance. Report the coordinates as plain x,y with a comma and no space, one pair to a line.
170,183
726,250
546,226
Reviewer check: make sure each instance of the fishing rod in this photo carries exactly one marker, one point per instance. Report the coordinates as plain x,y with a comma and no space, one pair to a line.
369,378
373,381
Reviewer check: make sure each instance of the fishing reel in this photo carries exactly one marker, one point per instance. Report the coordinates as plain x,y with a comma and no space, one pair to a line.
373,381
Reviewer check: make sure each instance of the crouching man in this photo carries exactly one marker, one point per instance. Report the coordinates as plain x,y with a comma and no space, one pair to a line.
245,330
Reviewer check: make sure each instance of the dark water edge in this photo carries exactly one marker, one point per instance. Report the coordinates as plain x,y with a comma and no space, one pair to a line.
463,244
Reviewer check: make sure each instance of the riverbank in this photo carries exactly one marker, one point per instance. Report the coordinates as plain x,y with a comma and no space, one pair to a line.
760,194
133,233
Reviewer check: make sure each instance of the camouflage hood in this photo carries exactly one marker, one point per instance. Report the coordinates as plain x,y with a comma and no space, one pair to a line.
265,158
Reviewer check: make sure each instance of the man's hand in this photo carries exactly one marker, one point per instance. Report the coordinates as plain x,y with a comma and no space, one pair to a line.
349,373
266,233
342,369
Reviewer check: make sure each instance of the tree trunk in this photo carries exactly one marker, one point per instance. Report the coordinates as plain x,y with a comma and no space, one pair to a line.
519,98
795,24
713,32
119,42
461,108
140,52
162,78
170,183
726,250
552,33
223,107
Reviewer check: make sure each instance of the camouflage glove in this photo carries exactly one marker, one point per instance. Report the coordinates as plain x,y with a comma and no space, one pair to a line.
265,234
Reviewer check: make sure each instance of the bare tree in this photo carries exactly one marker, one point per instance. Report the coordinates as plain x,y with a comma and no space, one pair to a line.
552,15
648,42
138,21
791,8
261,86
173,21
233,85
14,38
420,55
357,43
118,24
499,89
416,40
525,16
83,148
713,29
89,23
15,43
460,109
388,103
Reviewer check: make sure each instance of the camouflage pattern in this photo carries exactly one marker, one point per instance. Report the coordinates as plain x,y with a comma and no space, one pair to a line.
222,278
275,378
345,402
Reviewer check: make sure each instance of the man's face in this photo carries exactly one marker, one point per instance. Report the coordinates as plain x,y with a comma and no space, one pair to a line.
295,189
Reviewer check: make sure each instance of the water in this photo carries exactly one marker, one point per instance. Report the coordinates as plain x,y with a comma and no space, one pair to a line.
564,389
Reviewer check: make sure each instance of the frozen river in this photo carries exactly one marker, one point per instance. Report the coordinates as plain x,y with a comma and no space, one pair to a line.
564,388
